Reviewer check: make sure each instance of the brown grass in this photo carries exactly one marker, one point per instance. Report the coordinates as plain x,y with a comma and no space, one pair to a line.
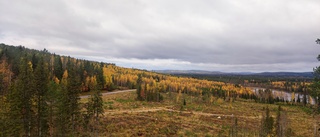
124,116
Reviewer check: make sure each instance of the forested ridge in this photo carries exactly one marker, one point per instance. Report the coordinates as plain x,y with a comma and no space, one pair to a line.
40,91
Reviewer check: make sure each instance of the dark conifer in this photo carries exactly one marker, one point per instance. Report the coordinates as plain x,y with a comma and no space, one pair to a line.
58,71
41,75
20,101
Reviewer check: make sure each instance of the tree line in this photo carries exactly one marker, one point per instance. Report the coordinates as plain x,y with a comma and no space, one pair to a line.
39,94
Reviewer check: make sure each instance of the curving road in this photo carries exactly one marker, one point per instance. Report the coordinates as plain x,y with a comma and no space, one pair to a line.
170,109
108,93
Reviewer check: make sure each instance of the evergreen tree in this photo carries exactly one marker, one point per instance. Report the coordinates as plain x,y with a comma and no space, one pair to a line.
73,94
94,110
41,75
139,88
63,112
53,99
266,124
69,107
279,125
315,92
100,79
58,71
20,101
14,125
34,61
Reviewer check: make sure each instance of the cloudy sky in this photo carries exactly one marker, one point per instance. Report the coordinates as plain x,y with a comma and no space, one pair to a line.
216,35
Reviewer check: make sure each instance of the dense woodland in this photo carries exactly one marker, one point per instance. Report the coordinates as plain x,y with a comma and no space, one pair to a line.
290,82
40,91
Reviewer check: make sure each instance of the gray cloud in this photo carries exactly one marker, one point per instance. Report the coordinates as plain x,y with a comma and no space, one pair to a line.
229,35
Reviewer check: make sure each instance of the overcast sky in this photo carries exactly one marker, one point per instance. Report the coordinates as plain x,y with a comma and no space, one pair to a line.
216,35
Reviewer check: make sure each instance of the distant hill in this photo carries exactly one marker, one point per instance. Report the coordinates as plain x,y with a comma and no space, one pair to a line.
218,73
190,72
286,74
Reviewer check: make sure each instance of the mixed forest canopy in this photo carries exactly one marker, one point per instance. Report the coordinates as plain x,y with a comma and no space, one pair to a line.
40,90
89,73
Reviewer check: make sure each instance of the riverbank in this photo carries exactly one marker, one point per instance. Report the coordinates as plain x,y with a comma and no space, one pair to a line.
286,95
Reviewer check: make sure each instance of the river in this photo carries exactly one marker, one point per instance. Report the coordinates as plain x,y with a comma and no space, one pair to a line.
287,96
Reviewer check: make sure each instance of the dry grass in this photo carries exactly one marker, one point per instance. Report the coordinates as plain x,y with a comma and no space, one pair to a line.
124,116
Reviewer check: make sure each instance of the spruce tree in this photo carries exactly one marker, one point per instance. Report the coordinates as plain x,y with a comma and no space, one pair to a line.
63,113
20,101
69,107
53,99
100,78
41,75
73,94
95,103
280,126
139,88
14,125
58,71
315,92
266,124
94,111
34,61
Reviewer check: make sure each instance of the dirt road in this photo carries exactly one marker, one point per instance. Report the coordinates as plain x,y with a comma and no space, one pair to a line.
168,108
108,93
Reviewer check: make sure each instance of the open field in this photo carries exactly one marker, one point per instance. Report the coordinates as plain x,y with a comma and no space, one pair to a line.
124,116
